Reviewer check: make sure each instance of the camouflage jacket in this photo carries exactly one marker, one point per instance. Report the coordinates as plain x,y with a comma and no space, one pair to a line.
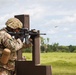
7,41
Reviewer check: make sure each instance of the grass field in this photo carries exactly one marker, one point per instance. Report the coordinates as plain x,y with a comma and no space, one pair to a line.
62,63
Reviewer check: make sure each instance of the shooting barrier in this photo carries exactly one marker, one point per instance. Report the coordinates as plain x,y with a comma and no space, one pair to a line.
31,67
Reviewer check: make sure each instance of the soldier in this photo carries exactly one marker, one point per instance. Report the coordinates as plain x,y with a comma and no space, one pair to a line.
9,46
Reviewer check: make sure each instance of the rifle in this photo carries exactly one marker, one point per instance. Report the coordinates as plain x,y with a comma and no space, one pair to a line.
25,33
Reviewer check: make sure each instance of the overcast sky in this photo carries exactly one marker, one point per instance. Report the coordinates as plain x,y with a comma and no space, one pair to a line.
56,18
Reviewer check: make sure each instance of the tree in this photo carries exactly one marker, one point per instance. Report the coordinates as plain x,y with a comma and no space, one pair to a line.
47,40
55,46
44,44
42,41
71,48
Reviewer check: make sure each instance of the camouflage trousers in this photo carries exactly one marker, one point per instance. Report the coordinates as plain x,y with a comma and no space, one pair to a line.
6,72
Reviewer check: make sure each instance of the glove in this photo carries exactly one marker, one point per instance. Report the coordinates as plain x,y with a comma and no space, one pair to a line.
21,37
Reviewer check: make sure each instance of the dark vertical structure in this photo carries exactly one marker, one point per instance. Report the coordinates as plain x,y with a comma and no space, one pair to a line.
31,67
25,20
36,49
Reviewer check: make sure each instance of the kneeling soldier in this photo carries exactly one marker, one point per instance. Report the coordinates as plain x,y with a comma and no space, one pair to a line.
9,46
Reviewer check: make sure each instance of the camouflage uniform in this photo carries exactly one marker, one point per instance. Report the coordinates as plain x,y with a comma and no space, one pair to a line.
6,41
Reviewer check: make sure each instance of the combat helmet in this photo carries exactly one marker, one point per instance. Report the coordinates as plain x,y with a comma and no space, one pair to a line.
14,23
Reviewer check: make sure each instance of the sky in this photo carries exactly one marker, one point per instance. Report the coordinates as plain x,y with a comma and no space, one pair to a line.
56,18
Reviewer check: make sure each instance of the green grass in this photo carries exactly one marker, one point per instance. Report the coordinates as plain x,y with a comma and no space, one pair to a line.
62,63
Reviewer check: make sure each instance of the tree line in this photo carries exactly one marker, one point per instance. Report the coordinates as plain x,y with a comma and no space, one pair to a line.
55,47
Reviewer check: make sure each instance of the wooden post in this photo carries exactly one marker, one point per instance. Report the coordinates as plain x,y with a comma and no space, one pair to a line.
25,20
36,49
